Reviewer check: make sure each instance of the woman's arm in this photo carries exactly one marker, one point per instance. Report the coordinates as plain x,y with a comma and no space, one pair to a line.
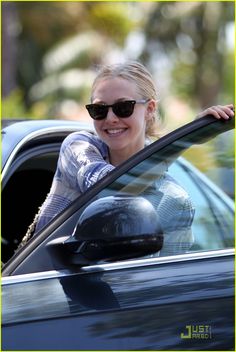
83,161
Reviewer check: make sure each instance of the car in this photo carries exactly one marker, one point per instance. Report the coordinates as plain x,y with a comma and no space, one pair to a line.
73,286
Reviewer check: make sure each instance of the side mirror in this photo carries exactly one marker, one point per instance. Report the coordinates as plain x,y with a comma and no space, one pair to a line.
112,228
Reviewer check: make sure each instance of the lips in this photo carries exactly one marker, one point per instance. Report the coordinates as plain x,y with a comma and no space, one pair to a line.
115,131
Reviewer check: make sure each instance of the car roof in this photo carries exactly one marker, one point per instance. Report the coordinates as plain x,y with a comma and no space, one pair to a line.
24,127
15,132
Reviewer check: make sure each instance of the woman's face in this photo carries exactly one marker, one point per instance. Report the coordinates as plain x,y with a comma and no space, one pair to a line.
124,136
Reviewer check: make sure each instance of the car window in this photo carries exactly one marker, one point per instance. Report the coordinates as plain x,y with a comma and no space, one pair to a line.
196,215
214,216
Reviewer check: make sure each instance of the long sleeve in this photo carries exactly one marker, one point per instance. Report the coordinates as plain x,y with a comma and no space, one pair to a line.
81,163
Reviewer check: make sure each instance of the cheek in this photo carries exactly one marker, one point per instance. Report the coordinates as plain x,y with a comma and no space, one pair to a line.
142,118
97,126
138,125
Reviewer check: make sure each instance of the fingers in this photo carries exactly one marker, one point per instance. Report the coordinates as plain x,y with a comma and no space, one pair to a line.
219,111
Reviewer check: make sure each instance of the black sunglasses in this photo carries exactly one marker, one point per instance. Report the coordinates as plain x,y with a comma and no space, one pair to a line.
121,109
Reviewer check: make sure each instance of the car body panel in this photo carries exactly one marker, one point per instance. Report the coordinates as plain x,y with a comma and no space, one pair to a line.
147,306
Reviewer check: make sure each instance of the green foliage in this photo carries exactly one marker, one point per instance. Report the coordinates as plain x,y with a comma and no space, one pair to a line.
182,80
13,106
216,153
225,147
190,35
111,20
184,84
49,22
228,91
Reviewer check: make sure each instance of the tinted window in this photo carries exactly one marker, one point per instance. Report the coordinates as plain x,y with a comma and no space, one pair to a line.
195,213
214,217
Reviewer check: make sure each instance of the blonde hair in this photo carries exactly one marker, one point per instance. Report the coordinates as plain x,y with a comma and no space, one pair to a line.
138,74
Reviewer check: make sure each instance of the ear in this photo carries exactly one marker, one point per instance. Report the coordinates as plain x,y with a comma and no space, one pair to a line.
151,108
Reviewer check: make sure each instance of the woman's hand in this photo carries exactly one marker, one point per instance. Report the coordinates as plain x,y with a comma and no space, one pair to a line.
219,111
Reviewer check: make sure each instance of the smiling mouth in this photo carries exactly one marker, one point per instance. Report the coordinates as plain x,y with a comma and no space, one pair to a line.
115,131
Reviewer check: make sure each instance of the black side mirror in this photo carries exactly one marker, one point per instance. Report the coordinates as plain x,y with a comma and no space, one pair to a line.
109,229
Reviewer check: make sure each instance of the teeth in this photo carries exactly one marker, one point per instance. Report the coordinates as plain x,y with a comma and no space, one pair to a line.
115,131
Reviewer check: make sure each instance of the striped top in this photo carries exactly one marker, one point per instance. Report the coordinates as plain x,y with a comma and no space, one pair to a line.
83,160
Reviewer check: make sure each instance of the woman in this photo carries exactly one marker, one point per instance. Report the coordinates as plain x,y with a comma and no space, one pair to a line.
123,107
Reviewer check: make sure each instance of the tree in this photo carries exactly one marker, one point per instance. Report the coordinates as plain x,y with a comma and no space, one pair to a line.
46,26
10,27
193,35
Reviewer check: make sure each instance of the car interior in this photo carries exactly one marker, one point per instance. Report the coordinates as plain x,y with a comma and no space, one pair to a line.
28,187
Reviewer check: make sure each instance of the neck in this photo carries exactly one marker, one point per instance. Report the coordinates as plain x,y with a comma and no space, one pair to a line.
118,157
116,160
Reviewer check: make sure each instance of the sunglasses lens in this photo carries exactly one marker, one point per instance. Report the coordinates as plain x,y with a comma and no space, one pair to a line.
97,111
124,108
120,109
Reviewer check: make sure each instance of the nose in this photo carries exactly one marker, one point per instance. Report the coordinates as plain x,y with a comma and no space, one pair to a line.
111,116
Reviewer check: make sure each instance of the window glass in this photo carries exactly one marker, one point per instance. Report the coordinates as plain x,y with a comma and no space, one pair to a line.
213,220
195,213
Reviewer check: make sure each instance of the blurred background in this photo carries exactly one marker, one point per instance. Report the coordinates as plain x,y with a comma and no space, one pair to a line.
51,50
